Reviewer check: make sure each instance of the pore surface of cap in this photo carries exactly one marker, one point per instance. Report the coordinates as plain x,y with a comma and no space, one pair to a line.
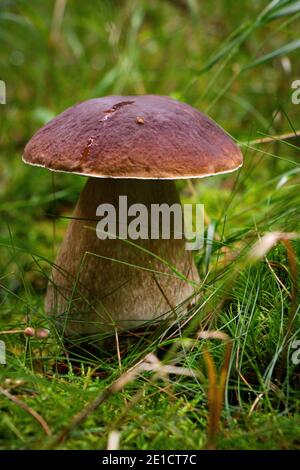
146,136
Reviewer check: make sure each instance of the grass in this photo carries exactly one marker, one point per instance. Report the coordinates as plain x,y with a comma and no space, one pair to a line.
237,64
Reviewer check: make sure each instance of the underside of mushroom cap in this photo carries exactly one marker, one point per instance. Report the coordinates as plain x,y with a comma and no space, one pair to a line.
145,137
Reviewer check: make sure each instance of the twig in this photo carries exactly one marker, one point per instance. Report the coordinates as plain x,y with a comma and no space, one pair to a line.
11,332
27,408
275,138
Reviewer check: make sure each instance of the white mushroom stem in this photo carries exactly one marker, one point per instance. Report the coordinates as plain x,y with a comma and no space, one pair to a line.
100,285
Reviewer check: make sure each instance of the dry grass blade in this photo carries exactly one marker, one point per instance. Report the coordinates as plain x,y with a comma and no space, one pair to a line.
57,20
113,442
216,388
259,250
213,422
267,242
27,408
255,403
292,259
150,364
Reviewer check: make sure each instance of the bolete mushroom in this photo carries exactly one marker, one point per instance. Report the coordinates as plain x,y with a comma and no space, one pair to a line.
134,146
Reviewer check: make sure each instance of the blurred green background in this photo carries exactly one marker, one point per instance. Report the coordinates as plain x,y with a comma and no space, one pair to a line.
54,54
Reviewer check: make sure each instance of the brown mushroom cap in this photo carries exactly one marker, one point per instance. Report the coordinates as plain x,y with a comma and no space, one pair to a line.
151,137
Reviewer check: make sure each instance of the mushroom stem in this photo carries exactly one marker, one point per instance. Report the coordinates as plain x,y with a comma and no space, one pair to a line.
99,285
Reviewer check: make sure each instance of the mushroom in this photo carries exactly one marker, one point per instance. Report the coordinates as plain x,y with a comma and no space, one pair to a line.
134,146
